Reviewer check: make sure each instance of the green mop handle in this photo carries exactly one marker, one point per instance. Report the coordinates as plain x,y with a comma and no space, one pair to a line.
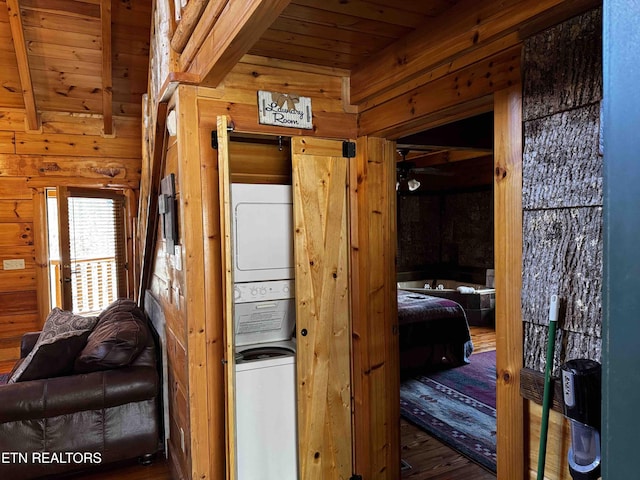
546,400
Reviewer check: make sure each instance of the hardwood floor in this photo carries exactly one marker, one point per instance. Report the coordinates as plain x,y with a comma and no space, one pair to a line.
158,470
431,459
484,339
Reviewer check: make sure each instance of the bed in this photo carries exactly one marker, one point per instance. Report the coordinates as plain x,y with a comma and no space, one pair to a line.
433,332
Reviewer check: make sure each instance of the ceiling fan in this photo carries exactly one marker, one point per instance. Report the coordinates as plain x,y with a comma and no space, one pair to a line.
406,171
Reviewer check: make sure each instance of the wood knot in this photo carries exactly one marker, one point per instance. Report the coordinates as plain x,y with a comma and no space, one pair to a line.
316,455
501,173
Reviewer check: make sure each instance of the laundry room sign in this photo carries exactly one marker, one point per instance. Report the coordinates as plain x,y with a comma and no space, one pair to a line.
284,110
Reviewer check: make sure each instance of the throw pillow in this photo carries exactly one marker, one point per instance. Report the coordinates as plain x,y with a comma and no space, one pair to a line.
115,342
64,335
121,305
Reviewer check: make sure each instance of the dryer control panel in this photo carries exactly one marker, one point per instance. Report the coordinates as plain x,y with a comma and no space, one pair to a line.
263,291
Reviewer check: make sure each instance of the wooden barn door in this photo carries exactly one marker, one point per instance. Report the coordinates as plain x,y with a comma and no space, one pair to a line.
224,186
323,327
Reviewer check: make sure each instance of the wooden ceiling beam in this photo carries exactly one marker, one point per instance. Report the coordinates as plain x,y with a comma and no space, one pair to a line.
200,33
240,24
17,34
188,21
477,81
107,74
463,28
68,7
447,157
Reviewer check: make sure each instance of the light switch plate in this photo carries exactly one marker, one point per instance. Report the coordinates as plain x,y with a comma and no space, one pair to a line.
13,264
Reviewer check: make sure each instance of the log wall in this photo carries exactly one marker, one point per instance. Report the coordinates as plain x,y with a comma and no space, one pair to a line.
69,150
562,205
18,289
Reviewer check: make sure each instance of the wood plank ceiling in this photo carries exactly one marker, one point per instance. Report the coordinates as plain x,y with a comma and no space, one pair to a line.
77,56
343,33
91,56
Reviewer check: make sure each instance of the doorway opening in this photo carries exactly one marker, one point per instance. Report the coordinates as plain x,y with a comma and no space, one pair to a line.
87,248
445,251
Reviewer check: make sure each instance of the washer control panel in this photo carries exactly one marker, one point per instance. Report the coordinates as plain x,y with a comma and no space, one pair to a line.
263,291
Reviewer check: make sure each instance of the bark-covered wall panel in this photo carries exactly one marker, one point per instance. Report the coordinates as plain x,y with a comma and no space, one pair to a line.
467,236
562,189
563,255
418,231
562,67
451,229
562,166
567,345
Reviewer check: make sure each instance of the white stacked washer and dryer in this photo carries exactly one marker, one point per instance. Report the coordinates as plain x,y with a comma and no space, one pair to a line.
264,319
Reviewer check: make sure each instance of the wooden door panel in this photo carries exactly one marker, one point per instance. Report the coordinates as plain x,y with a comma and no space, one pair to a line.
322,312
224,186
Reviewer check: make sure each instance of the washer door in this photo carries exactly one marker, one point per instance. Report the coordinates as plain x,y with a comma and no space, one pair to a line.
261,353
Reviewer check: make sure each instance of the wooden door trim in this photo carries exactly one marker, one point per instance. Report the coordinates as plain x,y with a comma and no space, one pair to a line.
508,281
62,195
43,279
224,191
375,363
507,106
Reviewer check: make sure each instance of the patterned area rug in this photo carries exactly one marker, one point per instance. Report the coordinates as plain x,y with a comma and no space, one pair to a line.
457,406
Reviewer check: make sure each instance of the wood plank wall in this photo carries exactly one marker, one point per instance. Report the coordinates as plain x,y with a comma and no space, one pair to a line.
18,290
562,202
69,150
195,328
167,286
376,392
236,98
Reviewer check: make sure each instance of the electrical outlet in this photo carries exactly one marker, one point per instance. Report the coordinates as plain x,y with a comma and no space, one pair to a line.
182,440
14,264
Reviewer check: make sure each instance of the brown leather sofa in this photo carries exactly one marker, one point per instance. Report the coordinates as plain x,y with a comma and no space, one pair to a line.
80,420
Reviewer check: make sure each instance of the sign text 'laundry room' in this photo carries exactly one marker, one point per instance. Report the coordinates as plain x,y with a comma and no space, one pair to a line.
284,110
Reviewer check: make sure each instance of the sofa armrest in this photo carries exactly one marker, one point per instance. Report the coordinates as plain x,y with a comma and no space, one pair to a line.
74,393
27,343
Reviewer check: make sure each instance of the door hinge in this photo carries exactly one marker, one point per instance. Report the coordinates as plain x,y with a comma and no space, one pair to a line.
214,135
348,149
356,477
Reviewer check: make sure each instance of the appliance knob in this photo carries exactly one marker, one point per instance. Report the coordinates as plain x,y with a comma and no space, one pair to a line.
237,293
254,290
263,291
285,289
